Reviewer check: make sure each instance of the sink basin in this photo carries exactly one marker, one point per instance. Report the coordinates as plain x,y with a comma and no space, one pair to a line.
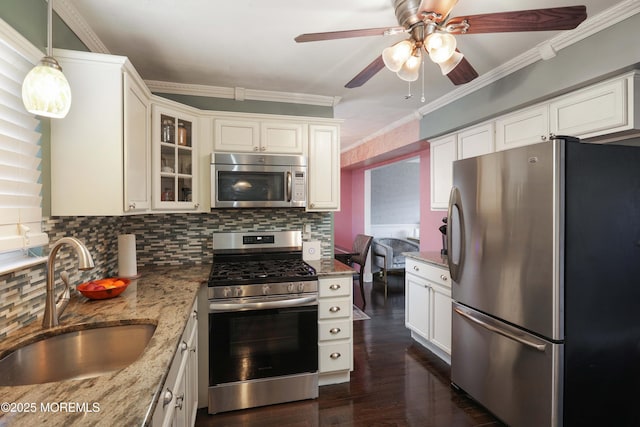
76,354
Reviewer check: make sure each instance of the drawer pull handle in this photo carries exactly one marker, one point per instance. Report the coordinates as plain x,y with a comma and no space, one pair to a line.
334,331
334,309
443,277
334,356
179,400
334,287
183,347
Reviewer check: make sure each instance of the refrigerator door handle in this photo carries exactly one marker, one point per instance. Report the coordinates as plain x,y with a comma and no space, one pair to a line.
455,200
535,346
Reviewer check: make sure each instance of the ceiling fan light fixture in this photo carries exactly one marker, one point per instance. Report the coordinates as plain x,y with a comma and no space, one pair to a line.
440,46
450,64
395,56
410,70
442,7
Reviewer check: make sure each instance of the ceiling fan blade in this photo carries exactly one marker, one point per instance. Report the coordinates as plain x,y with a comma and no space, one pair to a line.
463,73
555,18
368,72
332,35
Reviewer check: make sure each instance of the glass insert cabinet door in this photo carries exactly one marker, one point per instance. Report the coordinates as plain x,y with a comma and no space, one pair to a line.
174,158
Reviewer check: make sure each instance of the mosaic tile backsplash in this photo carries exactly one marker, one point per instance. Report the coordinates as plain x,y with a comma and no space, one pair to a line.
161,239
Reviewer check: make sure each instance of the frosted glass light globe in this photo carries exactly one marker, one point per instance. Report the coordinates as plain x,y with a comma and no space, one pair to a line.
395,56
46,91
440,46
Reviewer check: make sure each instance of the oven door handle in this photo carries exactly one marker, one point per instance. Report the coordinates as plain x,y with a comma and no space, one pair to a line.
219,307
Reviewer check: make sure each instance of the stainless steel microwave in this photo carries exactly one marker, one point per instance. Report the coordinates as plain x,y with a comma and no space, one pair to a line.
258,180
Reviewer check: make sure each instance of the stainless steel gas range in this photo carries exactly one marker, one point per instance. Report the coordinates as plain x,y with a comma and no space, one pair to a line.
263,314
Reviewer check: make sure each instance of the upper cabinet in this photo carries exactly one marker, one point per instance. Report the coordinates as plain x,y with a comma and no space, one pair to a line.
324,168
476,141
443,151
175,159
523,127
100,152
241,135
598,110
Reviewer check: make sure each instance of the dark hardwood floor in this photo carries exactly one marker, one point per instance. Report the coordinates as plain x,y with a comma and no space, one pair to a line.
395,381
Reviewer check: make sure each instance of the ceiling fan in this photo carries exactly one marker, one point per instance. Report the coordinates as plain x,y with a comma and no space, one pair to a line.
431,33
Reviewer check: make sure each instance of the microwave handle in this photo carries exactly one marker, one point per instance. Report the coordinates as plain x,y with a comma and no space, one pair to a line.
289,189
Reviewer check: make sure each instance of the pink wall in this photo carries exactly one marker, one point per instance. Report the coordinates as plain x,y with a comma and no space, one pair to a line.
350,220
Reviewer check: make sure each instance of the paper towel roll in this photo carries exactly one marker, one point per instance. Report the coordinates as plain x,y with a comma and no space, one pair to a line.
127,263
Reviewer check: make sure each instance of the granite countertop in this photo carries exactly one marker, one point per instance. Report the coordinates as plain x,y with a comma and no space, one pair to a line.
330,266
162,296
431,257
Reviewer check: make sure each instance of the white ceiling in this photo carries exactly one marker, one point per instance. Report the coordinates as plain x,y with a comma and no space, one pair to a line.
250,44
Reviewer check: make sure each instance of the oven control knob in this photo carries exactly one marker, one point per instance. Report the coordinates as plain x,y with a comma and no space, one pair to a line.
266,289
238,292
226,292
291,288
301,287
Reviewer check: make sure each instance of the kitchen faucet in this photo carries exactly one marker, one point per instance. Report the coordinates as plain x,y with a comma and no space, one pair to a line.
53,309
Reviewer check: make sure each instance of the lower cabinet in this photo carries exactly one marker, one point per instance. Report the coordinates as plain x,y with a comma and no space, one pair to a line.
428,306
178,402
335,320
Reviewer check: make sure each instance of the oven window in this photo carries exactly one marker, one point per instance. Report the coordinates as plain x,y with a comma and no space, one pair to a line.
251,186
264,343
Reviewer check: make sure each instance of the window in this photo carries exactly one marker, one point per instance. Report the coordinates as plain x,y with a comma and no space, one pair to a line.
20,158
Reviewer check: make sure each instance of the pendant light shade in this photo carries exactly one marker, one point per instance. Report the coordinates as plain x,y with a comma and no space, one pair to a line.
440,46
45,90
395,56
410,70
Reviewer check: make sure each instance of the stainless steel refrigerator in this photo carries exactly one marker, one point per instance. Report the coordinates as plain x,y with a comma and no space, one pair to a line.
544,253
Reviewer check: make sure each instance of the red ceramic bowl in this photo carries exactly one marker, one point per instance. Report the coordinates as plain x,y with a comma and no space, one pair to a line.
104,288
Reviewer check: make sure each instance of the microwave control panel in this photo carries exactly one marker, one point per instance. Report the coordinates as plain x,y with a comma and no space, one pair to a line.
299,189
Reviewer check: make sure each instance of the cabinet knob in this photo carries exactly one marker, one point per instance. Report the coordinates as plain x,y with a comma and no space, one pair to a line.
255,148
312,205
132,205
543,137
195,314
334,331
334,309
334,287
443,277
263,148
335,355
196,206
166,397
415,267
183,347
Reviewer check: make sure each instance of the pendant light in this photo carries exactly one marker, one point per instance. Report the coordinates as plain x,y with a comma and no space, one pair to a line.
45,90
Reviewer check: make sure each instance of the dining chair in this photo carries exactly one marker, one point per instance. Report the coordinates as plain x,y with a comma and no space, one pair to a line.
360,249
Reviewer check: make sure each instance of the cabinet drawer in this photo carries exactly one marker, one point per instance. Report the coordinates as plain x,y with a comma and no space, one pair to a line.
334,329
334,308
334,357
335,286
430,272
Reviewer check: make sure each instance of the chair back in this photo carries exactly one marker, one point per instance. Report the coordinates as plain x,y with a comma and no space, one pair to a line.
361,246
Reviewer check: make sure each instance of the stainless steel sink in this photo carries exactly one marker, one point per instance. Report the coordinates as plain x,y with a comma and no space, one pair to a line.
78,354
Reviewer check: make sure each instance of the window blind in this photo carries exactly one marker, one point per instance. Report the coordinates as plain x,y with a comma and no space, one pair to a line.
20,158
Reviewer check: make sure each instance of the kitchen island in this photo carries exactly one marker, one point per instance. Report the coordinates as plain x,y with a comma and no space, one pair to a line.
162,296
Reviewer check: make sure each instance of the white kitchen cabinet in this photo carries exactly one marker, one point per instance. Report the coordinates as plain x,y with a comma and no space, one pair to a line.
476,141
428,306
100,152
247,135
178,402
335,320
443,151
524,127
597,110
175,159
323,168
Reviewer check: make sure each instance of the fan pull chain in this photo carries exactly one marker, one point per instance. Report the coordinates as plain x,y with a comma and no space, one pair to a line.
408,95
423,99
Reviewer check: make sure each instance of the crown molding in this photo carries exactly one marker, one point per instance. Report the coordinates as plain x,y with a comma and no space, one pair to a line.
241,94
404,120
70,15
